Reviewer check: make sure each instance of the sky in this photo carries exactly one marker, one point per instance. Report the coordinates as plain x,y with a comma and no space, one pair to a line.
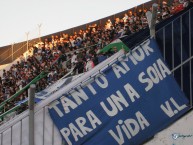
19,17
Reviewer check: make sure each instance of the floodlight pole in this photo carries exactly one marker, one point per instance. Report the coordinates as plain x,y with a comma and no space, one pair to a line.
31,95
12,50
39,29
27,35
151,17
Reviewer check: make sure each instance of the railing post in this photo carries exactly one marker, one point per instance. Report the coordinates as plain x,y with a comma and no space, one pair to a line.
31,95
151,17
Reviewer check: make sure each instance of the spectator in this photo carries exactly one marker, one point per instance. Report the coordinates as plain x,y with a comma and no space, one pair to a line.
89,64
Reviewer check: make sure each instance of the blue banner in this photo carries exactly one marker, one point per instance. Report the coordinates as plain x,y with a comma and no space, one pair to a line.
125,104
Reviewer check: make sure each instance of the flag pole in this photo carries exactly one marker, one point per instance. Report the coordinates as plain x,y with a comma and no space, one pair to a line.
151,17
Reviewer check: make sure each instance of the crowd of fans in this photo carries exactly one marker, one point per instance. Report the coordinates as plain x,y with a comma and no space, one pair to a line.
61,54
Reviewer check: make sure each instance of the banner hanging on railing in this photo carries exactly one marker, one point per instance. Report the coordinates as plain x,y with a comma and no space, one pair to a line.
47,92
125,104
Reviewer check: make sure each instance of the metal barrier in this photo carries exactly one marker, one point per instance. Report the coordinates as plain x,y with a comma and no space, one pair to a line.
177,51
14,51
11,57
175,41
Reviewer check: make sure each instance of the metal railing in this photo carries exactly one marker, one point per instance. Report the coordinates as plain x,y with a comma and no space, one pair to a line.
14,51
177,50
12,54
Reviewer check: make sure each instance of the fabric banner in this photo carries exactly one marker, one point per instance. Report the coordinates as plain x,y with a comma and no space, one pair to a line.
47,92
50,90
125,104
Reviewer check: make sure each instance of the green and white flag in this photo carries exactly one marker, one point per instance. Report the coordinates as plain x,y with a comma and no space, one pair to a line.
114,45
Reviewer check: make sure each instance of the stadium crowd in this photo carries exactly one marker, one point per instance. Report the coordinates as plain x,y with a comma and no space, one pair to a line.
62,54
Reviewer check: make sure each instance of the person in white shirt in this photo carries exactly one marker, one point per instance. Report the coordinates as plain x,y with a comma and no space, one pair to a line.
89,64
74,57
125,18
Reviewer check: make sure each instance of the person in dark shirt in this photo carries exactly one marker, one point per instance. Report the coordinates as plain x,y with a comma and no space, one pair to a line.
79,66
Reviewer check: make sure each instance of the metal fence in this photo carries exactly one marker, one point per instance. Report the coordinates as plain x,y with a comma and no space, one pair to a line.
14,51
175,41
